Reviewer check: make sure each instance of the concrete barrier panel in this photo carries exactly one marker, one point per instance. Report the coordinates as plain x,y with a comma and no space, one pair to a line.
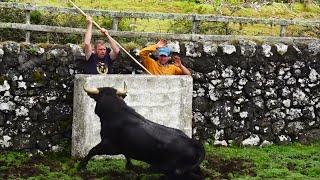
166,100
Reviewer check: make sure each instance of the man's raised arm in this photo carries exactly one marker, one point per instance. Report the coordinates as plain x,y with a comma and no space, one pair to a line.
87,38
115,49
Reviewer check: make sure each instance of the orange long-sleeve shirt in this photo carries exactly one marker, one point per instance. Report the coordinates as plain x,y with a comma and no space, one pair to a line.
155,67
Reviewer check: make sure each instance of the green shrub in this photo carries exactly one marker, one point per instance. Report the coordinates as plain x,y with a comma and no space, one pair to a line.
12,15
180,27
35,17
124,25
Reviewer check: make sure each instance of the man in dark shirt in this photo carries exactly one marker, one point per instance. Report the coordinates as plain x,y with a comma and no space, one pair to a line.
99,61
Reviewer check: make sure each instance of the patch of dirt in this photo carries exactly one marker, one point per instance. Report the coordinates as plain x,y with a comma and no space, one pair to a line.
29,168
115,174
84,174
229,166
1,163
19,172
291,166
38,159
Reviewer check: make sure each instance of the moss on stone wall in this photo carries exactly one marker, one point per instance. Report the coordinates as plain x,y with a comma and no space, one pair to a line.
37,76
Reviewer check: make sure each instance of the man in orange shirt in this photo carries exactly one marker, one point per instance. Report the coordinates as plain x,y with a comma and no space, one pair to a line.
162,67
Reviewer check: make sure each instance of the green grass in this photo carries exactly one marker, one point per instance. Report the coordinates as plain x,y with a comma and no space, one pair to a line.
14,158
293,161
285,161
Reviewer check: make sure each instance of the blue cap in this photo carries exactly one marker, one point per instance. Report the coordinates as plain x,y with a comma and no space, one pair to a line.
164,51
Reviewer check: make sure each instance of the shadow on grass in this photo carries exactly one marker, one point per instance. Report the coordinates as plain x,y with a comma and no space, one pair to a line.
57,165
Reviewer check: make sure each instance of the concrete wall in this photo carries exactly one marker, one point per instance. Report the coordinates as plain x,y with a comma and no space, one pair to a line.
166,100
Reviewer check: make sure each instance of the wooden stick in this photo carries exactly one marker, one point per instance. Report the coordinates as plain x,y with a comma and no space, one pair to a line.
97,25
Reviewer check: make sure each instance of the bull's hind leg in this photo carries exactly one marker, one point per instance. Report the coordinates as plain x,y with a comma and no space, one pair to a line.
103,148
129,164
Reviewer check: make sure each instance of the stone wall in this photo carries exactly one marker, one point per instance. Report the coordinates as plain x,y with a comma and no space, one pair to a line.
245,92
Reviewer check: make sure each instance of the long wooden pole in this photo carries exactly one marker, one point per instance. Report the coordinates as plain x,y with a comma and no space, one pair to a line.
97,25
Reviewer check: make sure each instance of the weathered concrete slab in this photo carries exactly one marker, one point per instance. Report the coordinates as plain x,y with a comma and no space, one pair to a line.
166,100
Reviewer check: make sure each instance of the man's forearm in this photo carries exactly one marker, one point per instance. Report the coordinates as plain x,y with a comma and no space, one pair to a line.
87,41
185,70
144,53
115,48
88,35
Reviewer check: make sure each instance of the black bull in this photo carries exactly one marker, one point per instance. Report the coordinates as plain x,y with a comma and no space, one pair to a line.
124,131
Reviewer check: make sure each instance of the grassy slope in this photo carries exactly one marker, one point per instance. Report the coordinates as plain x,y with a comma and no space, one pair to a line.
130,5
294,161
275,10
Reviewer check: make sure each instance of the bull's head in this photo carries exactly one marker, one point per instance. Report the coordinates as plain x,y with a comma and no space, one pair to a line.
95,92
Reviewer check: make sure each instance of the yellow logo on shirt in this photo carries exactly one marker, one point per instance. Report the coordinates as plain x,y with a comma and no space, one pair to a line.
102,68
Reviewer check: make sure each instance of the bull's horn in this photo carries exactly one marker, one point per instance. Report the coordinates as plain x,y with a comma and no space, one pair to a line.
122,91
91,90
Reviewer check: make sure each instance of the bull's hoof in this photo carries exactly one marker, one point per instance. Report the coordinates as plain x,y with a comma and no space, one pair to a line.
129,166
82,166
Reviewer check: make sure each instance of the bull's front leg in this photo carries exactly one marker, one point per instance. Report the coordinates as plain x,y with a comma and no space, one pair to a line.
129,164
103,148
